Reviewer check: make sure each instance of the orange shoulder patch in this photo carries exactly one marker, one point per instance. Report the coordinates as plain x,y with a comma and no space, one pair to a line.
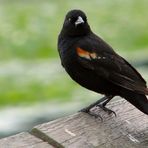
82,53
85,54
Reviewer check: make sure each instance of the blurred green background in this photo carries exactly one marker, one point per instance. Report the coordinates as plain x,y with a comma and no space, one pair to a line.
30,70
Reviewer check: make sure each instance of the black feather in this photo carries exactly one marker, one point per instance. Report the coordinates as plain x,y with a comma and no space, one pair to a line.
104,71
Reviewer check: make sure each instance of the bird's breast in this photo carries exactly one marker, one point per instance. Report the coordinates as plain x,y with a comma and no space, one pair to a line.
83,76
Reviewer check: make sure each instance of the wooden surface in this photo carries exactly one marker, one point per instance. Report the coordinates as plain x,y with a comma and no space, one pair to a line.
128,130
23,140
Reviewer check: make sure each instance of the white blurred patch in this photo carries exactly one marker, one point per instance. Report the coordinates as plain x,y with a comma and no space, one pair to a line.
69,132
45,71
133,138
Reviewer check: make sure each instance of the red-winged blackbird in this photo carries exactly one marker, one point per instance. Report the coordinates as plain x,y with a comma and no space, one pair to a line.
93,64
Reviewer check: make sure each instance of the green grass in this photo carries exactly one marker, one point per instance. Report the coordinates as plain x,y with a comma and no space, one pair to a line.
29,30
27,83
34,91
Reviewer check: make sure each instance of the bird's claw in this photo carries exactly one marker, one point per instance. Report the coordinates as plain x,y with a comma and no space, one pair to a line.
85,110
107,109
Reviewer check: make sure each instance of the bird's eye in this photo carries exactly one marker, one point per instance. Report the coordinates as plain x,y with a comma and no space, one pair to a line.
69,19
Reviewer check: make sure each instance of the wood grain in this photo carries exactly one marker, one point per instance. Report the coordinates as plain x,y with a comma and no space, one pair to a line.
128,130
23,140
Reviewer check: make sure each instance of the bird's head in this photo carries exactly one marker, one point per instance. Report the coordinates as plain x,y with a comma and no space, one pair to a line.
75,24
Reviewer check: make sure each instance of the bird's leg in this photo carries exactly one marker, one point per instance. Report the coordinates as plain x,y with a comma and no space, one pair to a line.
87,109
103,105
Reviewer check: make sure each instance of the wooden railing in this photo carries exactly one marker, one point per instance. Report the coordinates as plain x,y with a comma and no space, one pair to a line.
128,130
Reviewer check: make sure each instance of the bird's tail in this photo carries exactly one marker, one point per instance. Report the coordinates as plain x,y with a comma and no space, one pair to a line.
138,100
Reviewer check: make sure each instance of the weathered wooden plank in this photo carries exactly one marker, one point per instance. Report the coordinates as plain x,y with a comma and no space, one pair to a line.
23,140
128,130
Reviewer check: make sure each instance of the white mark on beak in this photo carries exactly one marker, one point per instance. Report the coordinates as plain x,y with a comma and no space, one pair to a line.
79,21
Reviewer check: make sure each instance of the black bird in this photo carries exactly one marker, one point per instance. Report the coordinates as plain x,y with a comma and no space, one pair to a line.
94,64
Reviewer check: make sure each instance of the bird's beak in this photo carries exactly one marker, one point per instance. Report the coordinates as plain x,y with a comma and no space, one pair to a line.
79,21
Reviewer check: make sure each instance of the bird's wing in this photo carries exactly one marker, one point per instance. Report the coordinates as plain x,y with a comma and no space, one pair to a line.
113,68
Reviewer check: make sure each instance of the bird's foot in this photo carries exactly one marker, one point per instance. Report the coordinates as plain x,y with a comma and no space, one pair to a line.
107,109
86,110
